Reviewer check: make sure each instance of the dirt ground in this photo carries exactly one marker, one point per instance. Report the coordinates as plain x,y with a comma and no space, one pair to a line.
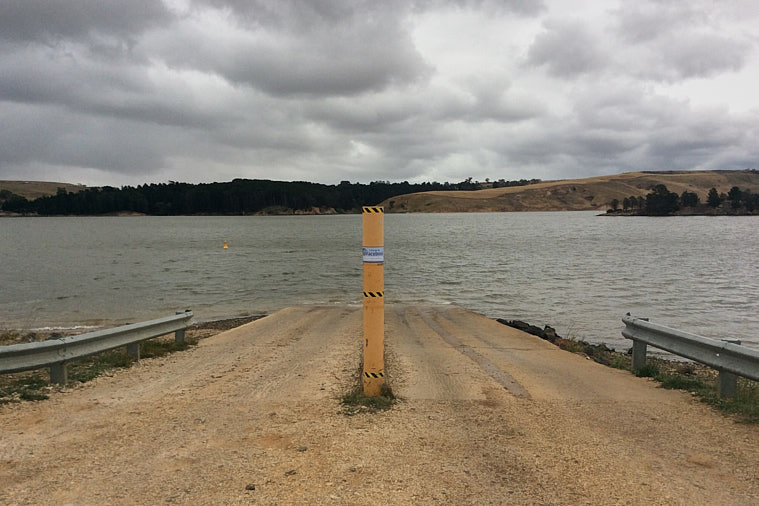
487,415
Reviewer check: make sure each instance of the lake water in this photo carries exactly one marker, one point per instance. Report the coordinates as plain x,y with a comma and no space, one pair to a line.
575,271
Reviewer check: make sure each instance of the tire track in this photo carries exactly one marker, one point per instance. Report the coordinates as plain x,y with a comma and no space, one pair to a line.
499,375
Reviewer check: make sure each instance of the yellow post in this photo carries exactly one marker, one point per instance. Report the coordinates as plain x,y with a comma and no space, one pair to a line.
374,300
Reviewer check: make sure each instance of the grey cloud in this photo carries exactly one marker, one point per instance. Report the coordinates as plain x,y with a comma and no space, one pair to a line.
493,100
488,101
521,7
668,41
623,107
82,84
303,14
331,69
338,90
611,131
363,114
296,48
52,136
698,136
50,21
306,13
642,21
567,49
695,55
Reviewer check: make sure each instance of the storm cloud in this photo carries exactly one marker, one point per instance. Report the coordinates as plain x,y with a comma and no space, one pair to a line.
106,92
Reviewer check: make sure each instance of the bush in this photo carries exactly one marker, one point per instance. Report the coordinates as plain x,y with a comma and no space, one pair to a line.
689,199
713,200
647,371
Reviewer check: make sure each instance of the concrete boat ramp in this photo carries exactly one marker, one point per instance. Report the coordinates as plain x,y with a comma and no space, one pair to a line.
487,415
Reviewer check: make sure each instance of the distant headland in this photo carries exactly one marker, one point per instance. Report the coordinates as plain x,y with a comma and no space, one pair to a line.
623,194
588,194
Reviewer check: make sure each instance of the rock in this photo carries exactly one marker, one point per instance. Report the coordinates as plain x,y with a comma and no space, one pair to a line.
250,486
352,469
523,326
548,333
290,472
302,448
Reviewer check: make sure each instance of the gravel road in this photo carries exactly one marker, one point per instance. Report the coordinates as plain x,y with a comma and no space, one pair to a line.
488,415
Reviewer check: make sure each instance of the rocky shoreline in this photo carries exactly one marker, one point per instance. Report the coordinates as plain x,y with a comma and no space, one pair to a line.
597,352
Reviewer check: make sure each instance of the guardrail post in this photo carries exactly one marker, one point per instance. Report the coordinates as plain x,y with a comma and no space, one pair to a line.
639,354
179,334
728,382
59,373
133,350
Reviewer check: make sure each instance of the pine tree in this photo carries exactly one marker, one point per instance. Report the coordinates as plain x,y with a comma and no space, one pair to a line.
713,199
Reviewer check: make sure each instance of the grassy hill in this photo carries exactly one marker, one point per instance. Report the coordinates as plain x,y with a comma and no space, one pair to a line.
35,189
593,193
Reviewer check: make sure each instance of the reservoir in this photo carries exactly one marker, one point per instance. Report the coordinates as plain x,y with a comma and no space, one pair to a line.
573,270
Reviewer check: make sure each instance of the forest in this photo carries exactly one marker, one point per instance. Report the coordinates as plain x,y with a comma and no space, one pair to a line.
240,196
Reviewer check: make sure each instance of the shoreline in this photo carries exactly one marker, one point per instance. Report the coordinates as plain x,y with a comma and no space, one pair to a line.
18,336
697,379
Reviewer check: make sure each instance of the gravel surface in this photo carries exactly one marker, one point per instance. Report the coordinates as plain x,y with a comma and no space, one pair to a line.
488,415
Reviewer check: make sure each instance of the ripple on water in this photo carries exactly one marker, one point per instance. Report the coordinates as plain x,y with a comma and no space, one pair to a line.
574,271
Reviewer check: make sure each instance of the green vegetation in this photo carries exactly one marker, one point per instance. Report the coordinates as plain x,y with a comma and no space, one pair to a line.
33,385
29,387
633,203
713,199
159,347
9,337
240,196
6,195
89,368
356,402
647,371
701,381
662,202
743,199
689,199
744,406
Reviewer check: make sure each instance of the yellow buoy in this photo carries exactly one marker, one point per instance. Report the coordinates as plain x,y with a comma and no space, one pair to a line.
226,246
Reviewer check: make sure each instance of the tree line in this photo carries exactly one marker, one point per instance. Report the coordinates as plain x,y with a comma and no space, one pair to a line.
240,196
662,202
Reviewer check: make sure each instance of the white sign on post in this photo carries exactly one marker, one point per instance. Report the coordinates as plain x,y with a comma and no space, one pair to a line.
374,255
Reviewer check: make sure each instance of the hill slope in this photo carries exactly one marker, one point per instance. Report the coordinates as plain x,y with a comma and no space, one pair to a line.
571,194
35,189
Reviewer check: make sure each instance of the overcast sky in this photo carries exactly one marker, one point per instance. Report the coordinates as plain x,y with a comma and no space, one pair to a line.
124,92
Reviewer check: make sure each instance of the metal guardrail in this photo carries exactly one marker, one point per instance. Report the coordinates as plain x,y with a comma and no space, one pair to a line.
728,357
56,353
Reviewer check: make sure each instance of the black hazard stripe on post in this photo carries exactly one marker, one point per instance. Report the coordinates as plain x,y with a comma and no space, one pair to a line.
373,210
374,374
374,294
